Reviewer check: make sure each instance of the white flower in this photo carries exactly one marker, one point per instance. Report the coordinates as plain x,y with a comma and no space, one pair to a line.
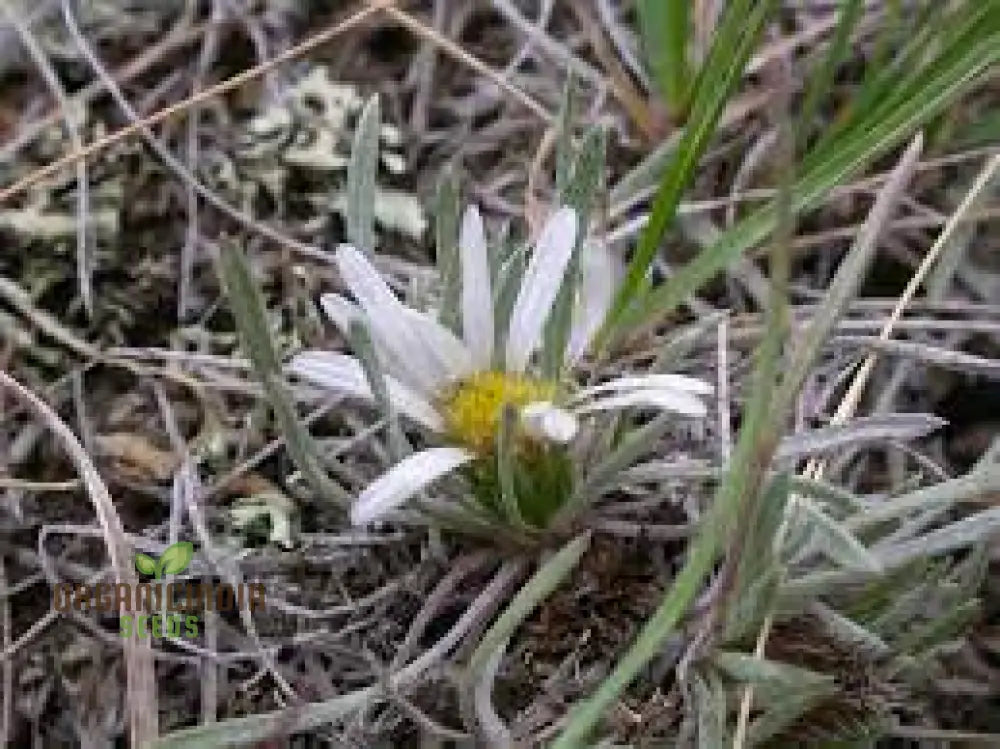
446,383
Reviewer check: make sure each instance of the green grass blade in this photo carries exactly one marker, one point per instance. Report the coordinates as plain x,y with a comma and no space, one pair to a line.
947,80
755,446
736,39
506,465
666,27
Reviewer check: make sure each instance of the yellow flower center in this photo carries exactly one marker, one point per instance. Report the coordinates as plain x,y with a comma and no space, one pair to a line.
472,408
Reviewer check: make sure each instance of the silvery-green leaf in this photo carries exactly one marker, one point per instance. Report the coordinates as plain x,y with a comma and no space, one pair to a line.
710,701
361,179
782,713
861,430
506,430
965,532
446,213
250,312
580,192
565,152
835,540
507,285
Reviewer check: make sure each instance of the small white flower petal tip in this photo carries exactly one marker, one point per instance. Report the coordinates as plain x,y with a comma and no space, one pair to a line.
544,421
477,293
405,479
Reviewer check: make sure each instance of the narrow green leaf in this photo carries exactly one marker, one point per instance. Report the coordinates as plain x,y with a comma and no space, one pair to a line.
548,577
665,26
505,295
175,558
582,186
743,22
565,152
848,631
710,702
968,531
953,73
446,216
586,178
833,496
836,541
361,173
975,485
769,677
506,463
248,308
249,311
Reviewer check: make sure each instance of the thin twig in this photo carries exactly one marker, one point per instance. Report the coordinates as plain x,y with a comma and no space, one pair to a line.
7,677
8,482
455,51
140,687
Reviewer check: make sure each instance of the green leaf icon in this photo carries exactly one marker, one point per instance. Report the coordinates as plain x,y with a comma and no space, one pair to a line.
145,564
176,558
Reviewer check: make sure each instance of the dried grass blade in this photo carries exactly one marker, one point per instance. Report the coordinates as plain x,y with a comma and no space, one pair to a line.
140,687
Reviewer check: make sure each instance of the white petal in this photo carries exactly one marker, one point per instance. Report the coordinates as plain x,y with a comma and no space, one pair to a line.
345,374
645,382
542,281
477,293
341,311
389,319
405,479
450,354
545,421
666,400
596,293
